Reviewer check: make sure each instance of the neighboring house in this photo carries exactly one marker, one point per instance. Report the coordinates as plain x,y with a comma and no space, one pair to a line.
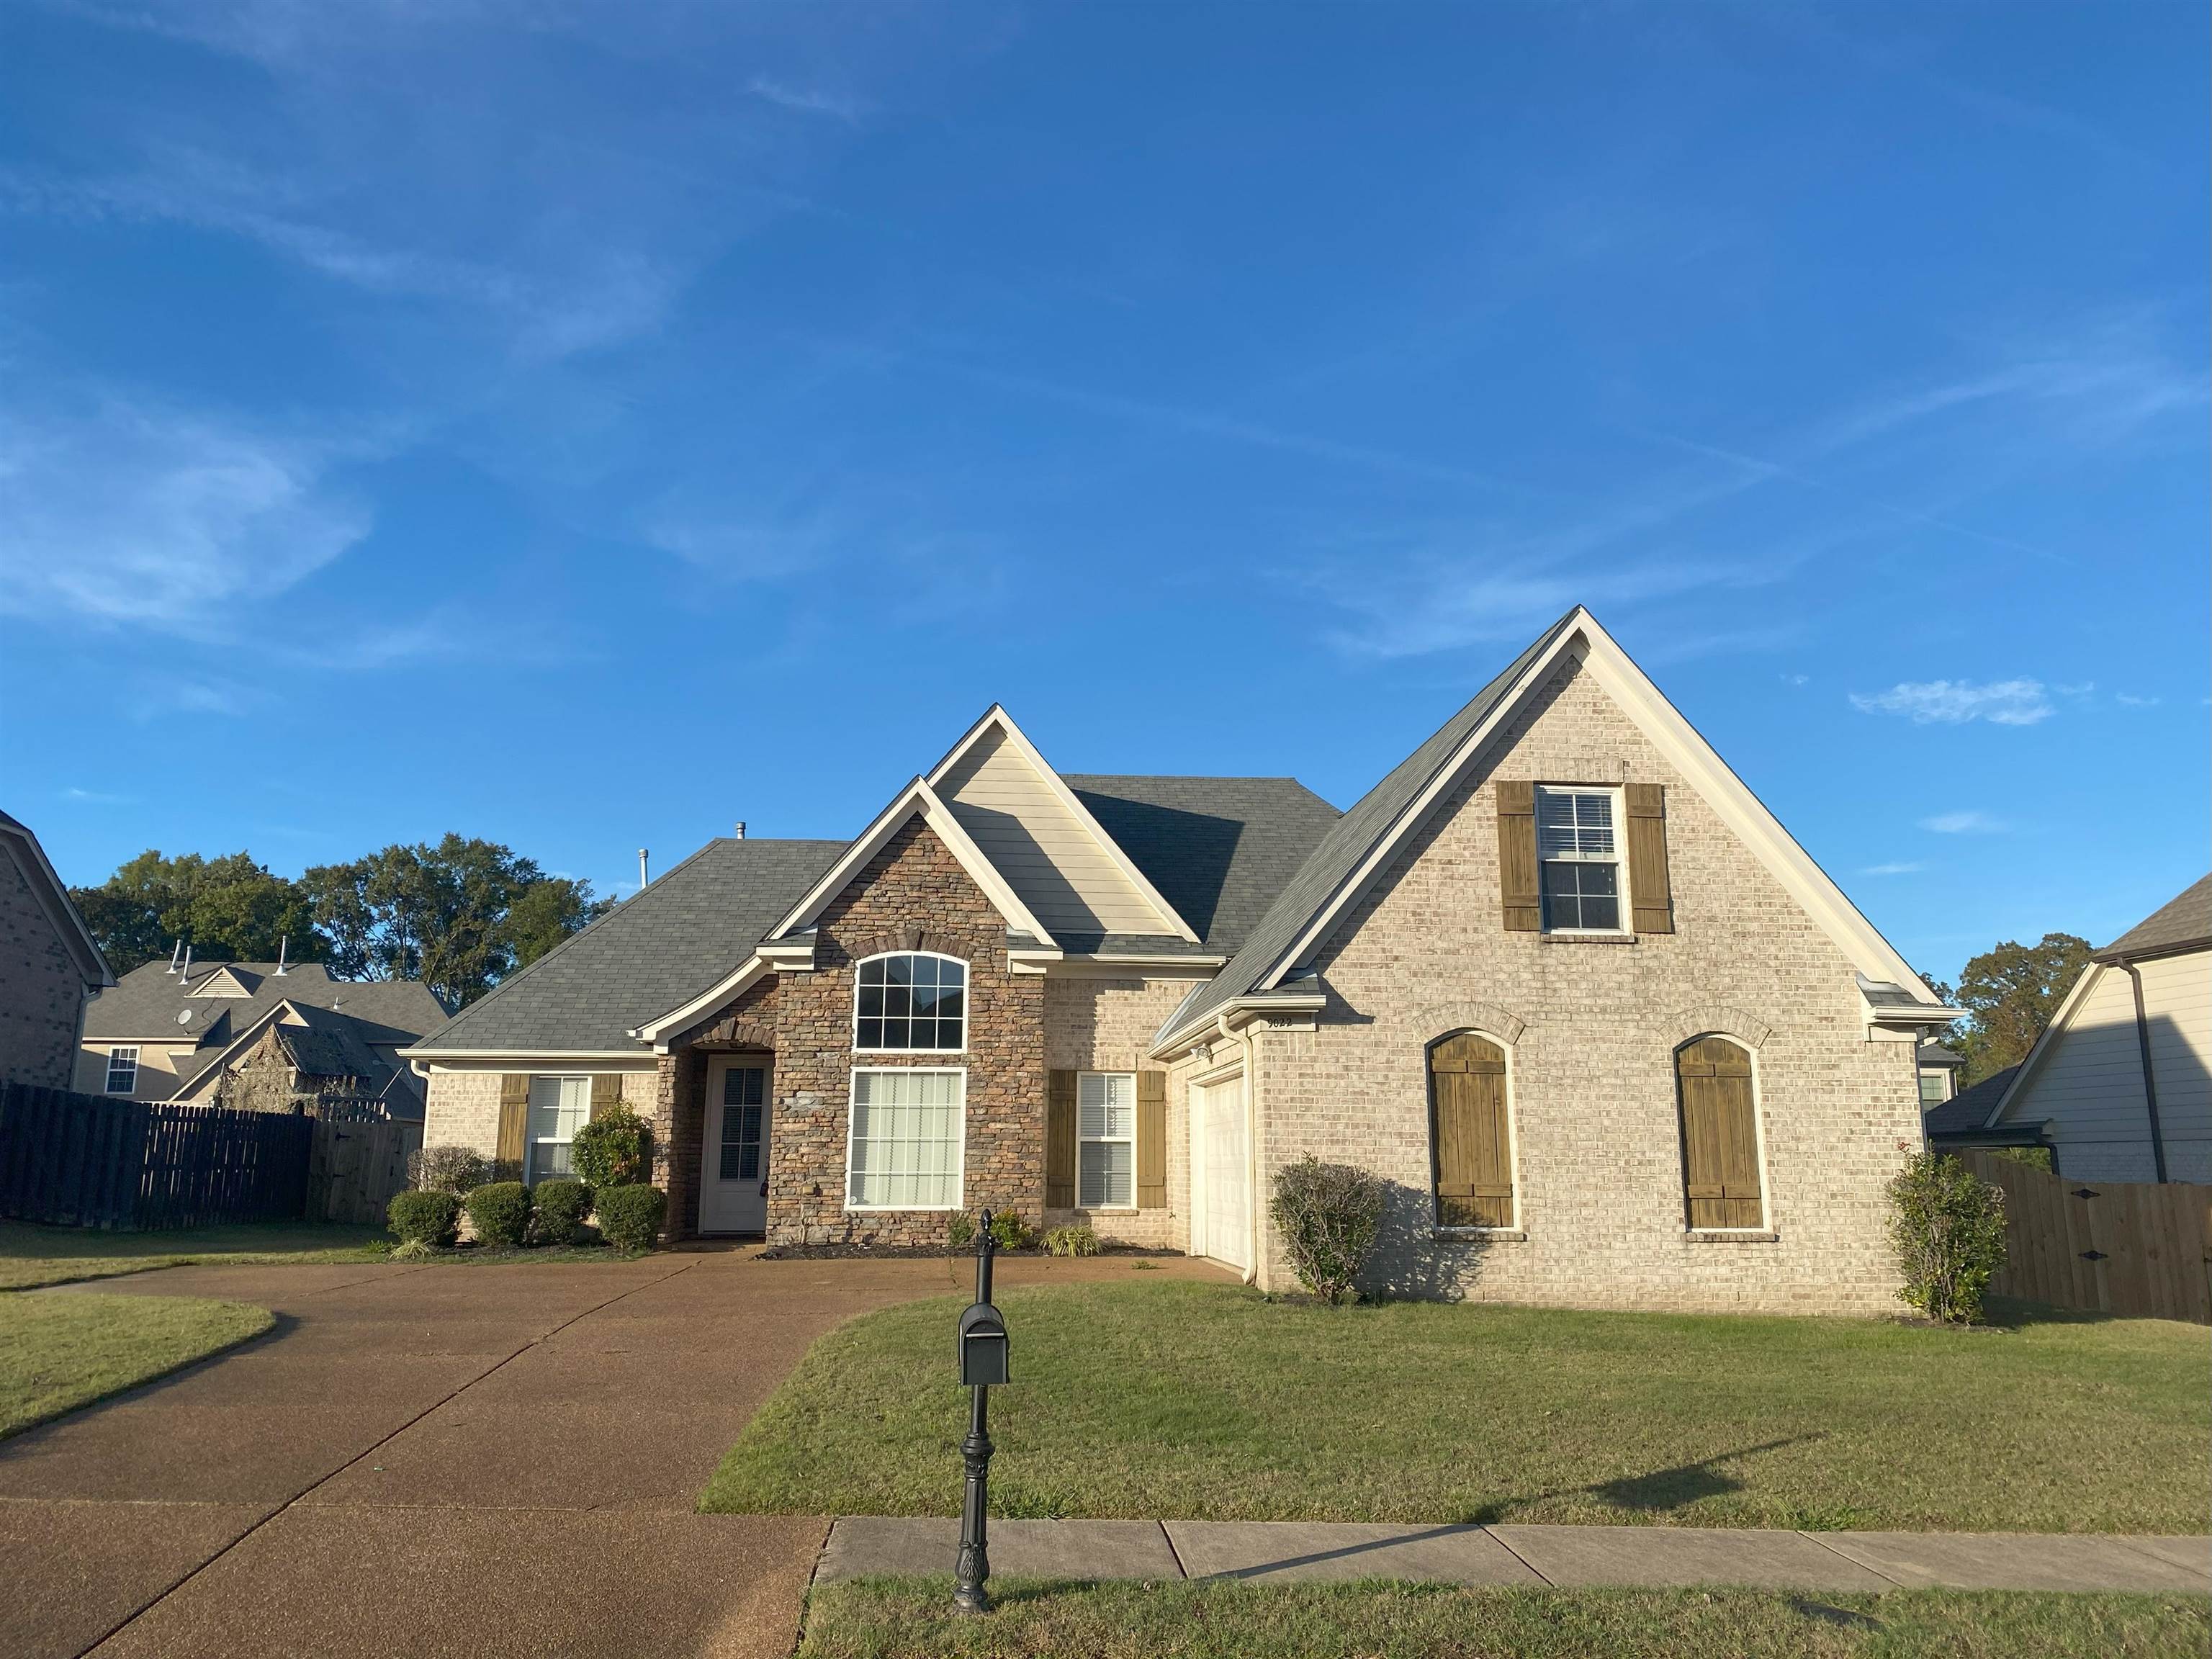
49,965
2119,1084
1963,1120
1607,1033
1939,1074
255,1035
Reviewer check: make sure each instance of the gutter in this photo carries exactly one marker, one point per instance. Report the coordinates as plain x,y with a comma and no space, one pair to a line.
2142,1049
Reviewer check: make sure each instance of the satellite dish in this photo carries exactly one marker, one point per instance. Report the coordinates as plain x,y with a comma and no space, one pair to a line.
184,1016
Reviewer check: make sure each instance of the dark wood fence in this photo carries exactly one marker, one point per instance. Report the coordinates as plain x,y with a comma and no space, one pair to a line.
85,1161
360,1160
2136,1250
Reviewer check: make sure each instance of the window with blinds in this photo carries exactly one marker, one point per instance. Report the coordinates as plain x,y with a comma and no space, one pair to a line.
1106,1130
903,1144
1578,859
558,1105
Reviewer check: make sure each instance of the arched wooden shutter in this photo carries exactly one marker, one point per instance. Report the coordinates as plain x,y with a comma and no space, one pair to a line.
1473,1153
1720,1135
1060,1141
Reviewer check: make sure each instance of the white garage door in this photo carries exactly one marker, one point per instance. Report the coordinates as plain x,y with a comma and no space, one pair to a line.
1226,1193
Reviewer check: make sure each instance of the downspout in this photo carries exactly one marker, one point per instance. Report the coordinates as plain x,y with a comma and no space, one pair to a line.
2150,1086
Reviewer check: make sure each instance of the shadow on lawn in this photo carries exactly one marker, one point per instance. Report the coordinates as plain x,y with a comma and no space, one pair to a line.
1657,1492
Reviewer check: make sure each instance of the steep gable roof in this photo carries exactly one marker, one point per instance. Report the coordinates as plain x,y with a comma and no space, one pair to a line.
144,1005
1356,851
52,897
2184,920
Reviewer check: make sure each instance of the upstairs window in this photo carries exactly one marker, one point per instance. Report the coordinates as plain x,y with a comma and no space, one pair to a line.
122,1071
1578,856
911,1003
1934,1089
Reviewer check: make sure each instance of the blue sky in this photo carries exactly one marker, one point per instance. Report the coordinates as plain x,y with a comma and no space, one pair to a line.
587,425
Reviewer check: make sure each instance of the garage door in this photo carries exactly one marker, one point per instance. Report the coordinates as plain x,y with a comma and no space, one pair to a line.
1227,1190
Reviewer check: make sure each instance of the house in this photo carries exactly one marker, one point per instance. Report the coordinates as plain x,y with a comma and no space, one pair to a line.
1939,1074
2120,1084
255,1035
1607,1033
49,965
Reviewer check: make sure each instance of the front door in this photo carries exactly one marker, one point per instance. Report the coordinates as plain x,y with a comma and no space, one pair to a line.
733,1174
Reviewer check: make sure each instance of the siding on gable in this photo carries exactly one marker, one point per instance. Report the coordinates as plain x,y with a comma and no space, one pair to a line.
1046,854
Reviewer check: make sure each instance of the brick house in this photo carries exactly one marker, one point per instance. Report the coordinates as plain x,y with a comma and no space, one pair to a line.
49,965
1607,1033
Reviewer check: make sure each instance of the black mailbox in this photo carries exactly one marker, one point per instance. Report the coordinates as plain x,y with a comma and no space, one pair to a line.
982,1347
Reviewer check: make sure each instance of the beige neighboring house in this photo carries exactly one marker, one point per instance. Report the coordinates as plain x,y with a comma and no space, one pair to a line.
1939,1074
49,965
1609,1037
255,1035
2119,1084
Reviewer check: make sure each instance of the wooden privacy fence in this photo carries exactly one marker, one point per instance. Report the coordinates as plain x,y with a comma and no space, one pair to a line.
358,1161
85,1161
2138,1249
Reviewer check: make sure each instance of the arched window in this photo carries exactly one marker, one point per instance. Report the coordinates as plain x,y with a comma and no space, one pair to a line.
911,1001
1721,1186
1473,1148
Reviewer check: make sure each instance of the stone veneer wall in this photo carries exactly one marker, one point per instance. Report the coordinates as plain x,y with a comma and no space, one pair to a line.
913,895
42,992
1591,1078
1106,1025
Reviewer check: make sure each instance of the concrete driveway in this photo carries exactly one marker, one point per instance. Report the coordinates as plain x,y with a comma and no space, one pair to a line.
444,1460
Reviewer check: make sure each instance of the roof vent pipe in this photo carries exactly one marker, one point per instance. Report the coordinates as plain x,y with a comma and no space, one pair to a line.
185,971
283,943
176,953
641,877
741,829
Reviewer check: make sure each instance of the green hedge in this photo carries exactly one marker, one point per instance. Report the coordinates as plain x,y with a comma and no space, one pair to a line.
557,1211
630,1216
428,1218
500,1214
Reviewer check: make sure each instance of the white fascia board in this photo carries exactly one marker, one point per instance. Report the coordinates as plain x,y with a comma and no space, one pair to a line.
997,716
735,983
476,1059
2046,1040
1694,759
916,797
1242,1011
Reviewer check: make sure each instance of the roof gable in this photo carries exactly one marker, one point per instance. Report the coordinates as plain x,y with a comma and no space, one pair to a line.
1359,850
53,898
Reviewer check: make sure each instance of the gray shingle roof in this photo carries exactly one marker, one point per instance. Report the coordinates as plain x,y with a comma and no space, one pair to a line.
1970,1106
1943,1059
2185,918
647,955
1350,840
143,1005
1218,849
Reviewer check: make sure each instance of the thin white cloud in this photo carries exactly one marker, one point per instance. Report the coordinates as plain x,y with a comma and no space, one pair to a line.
1951,702
1901,868
1796,679
807,100
97,798
2128,700
1964,822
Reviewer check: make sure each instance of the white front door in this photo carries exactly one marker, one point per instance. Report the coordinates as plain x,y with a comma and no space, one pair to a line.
1225,1186
733,1173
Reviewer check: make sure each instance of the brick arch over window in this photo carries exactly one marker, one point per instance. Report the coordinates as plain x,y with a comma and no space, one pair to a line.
1746,1031
1443,1018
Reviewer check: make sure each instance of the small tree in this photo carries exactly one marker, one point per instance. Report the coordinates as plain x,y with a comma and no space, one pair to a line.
1328,1215
611,1149
448,1169
1948,1230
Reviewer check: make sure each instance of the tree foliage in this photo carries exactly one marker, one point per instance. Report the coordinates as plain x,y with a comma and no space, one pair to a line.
2010,993
1947,1227
230,908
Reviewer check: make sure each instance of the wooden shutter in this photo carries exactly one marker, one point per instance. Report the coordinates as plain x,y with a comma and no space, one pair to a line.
1720,1135
606,1093
1517,889
1151,1140
1060,1141
1647,891
1473,1152
514,1118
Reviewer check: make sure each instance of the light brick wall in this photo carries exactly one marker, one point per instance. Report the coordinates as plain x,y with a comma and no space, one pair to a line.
1591,1075
1106,1025
461,1108
41,991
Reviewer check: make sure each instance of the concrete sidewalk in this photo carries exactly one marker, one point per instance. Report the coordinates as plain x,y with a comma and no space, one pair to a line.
1287,1551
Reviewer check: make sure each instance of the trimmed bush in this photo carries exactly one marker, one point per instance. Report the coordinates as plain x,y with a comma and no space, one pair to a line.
500,1214
613,1150
1010,1232
557,1209
960,1231
1328,1215
425,1218
455,1169
1070,1241
1947,1227
630,1216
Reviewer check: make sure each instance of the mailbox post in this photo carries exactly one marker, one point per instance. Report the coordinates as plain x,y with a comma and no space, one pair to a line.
982,1344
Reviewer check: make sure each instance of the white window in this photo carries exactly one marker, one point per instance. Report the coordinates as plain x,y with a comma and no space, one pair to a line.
558,1106
911,1001
1106,1133
122,1071
1579,856
1933,1089
903,1149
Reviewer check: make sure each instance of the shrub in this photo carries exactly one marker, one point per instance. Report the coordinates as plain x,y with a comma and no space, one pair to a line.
1070,1241
1948,1230
455,1169
413,1250
1328,1214
630,1216
960,1231
1010,1232
611,1150
501,1214
421,1217
557,1209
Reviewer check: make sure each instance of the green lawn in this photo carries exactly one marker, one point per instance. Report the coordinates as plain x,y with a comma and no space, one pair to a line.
57,1352
31,1254
1203,1401
912,1618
